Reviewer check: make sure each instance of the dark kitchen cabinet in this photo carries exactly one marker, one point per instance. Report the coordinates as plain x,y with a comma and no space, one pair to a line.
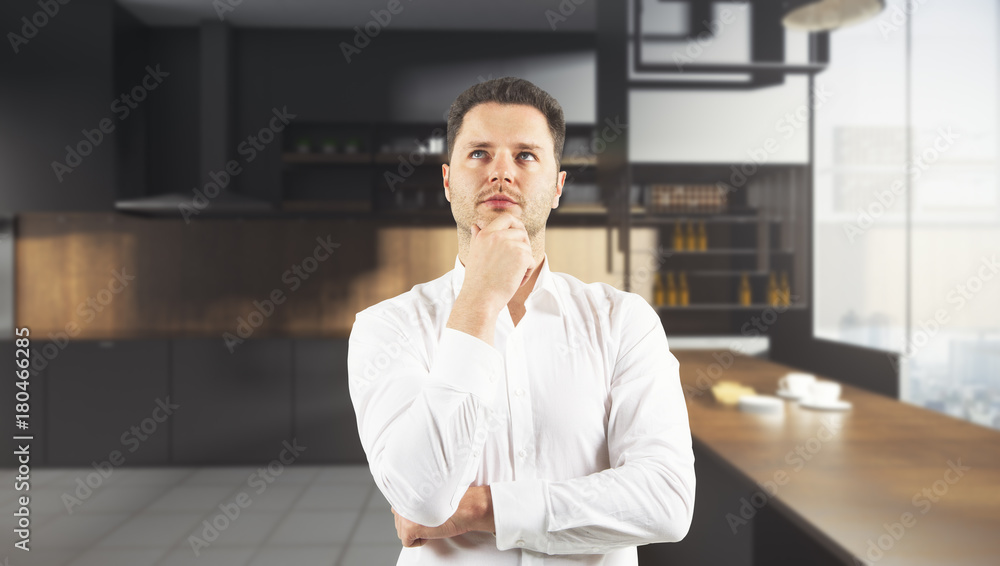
324,417
107,396
235,408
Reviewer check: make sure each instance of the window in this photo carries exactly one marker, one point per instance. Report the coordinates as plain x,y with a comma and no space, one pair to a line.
920,276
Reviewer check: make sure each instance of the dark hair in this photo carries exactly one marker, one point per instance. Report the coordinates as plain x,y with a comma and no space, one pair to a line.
508,90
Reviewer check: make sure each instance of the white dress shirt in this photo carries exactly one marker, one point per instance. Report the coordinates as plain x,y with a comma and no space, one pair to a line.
575,418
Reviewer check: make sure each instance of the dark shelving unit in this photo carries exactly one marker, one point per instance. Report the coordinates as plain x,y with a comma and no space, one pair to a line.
391,175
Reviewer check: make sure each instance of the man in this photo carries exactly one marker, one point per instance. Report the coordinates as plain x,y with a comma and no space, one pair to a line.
511,414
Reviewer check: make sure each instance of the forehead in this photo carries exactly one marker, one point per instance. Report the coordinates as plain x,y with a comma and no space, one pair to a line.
505,122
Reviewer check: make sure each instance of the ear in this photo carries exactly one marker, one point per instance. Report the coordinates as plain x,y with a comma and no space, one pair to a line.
560,181
444,177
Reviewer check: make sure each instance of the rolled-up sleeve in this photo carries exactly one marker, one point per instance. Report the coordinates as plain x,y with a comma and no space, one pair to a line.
647,495
422,426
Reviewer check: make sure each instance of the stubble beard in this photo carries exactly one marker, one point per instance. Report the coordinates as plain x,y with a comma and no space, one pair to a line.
467,211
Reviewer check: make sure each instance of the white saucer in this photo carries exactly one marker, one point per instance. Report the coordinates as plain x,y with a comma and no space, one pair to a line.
784,393
838,405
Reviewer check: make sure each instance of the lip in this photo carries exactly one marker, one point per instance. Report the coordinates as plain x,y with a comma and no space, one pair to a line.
501,200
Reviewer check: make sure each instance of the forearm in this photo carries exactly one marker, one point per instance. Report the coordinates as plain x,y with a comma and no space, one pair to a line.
423,431
632,505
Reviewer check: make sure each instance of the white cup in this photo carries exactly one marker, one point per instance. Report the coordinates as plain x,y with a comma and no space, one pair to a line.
824,392
797,383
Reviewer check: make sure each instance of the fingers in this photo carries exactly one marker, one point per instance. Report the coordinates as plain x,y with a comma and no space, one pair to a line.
404,537
507,220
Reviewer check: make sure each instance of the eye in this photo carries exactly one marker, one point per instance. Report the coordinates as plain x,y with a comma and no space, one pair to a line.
531,155
474,152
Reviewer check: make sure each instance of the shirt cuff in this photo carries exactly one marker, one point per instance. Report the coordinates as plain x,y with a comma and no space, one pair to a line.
519,514
466,363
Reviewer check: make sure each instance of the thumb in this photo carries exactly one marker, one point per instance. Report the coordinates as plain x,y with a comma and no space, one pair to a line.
475,230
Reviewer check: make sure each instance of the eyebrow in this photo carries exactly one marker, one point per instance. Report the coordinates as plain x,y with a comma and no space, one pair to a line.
475,144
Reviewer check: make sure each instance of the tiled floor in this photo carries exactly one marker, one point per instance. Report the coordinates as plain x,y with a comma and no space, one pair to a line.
298,516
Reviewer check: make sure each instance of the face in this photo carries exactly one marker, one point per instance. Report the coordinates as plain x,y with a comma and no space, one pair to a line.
503,150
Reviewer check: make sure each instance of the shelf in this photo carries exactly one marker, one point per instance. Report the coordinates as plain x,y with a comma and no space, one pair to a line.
727,306
725,272
327,158
393,158
708,218
579,161
326,205
731,251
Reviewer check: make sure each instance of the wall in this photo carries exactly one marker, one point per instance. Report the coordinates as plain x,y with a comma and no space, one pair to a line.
113,276
54,86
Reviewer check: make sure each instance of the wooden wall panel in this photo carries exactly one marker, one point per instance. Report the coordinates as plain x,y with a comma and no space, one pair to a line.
196,280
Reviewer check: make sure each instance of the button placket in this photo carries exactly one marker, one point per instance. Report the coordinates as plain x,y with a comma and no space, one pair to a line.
522,422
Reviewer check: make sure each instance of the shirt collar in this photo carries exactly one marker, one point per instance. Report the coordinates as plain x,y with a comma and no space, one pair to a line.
544,296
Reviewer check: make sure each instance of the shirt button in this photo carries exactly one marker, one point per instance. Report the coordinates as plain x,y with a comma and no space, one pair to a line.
520,542
475,453
522,453
519,392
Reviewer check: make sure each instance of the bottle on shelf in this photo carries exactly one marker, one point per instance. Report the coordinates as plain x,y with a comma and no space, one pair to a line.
744,293
671,290
685,298
772,290
658,298
784,291
702,237
678,237
692,240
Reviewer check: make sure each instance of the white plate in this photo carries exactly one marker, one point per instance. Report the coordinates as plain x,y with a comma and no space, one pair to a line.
787,394
838,405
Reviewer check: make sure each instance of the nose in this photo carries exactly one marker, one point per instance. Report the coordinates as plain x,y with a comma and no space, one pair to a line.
503,169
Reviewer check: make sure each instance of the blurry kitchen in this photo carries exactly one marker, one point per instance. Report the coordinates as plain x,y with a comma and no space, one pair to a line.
197,197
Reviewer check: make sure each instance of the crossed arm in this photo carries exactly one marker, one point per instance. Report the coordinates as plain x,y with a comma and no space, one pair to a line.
423,427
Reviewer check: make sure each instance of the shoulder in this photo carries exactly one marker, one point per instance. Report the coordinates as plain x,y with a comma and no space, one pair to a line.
408,309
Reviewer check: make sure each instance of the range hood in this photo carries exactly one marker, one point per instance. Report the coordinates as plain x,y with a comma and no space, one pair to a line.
190,205
215,142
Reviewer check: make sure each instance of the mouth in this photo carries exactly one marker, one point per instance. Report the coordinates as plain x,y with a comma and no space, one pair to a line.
499,200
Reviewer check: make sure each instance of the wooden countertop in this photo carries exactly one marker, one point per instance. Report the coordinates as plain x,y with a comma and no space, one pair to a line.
849,478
